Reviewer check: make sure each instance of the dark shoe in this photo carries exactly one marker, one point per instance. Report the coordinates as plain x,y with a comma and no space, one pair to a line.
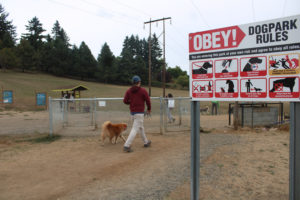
147,144
127,149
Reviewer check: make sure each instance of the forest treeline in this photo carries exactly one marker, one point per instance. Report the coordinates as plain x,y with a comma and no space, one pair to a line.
52,53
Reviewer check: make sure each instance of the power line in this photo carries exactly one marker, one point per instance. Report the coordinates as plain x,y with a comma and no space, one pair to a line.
199,12
253,12
110,10
140,11
283,8
91,13
172,49
176,42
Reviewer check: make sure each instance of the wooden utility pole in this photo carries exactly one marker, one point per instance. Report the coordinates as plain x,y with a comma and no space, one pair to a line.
164,55
149,59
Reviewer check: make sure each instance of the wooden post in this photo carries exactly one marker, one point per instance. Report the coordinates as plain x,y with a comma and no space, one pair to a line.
236,115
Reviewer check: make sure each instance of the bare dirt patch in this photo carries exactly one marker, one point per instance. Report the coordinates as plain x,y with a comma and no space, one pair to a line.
245,164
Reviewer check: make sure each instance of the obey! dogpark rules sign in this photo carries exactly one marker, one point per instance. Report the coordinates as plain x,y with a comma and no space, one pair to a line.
251,62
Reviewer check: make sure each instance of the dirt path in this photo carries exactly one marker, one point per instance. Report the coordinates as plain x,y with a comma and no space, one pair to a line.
234,165
80,168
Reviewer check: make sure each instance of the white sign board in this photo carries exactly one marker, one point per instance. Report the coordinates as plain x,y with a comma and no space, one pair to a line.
251,62
101,103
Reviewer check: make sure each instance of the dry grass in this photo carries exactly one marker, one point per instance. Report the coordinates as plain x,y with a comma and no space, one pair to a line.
24,86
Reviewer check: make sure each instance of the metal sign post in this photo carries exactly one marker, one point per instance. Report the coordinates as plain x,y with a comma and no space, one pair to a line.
294,151
195,149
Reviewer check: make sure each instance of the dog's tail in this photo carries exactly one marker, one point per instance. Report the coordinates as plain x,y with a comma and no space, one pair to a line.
104,127
106,124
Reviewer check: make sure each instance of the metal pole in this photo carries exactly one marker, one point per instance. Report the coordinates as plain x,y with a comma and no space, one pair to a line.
165,112
281,112
252,108
66,114
195,149
161,116
63,112
95,113
164,57
229,114
50,118
92,112
236,115
179,111
294,151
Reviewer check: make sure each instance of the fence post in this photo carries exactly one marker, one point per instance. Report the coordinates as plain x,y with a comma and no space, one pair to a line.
179,105
161,116
165,113
50,117
95,113
66,109
229,114
91,110
236,115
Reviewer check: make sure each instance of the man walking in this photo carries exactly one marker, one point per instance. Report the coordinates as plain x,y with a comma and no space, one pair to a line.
136,97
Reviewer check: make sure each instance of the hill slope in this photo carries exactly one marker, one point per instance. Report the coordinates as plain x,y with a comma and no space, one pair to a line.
24,86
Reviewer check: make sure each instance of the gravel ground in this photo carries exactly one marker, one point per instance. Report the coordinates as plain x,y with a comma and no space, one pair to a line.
156,178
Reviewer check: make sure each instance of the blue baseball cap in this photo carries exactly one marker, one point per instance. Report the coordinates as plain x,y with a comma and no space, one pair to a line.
136,79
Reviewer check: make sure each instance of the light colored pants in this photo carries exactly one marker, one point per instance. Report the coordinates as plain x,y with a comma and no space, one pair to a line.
138,126
170,116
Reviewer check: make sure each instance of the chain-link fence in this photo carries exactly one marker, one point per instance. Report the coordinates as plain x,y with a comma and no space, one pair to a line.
85,116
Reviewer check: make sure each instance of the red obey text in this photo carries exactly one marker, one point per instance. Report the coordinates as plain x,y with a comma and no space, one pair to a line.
228,37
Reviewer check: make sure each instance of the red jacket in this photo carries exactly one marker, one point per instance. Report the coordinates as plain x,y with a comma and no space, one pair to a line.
136,97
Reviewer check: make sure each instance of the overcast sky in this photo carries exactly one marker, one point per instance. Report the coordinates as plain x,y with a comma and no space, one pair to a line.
98,21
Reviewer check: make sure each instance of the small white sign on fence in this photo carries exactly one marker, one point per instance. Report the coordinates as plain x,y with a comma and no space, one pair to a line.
171,103
101,103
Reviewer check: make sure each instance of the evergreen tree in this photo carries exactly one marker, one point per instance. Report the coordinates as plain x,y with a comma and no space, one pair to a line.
75,71
34,35
156,57
87,63
8,59
60,34
133,60
106,65
25,53
35,39
61,54
47,54
7,30
124,71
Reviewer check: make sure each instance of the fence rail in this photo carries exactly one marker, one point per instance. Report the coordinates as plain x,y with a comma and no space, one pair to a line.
84,116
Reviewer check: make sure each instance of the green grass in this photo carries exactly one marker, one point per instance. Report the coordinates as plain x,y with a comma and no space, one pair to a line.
24,86
40,139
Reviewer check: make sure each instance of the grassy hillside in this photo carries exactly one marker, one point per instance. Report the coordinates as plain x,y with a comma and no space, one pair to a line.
24,86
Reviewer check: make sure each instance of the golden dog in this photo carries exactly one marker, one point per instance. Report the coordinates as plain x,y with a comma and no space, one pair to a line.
112,130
